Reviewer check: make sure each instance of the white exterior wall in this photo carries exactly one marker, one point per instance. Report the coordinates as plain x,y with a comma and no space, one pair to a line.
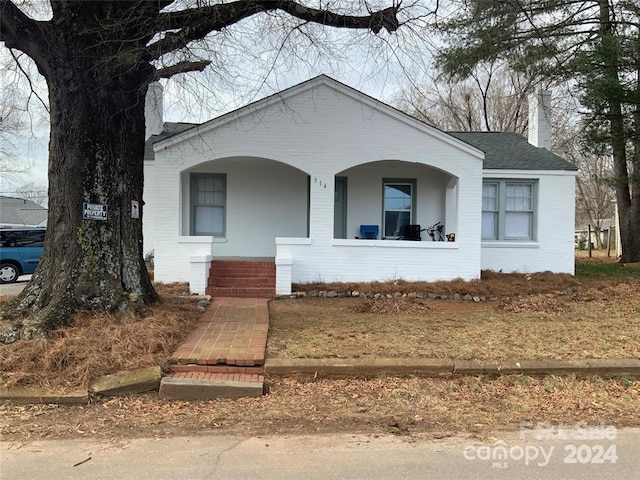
553,249
265,200
148,214
321,131
365,194
381,260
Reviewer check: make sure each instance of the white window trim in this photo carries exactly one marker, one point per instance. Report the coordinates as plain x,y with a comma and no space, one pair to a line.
192,180
412,213
502,189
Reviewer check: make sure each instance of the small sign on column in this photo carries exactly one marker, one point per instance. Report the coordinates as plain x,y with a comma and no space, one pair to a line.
135,209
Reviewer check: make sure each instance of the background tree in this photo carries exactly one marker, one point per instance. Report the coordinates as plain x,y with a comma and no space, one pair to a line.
34,192
98,59
595,192
11,125
493,98
595,44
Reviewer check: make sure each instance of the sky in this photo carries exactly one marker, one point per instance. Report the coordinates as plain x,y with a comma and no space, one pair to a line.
376,65
32,146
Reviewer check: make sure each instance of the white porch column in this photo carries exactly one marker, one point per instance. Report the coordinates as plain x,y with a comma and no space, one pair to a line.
451,207
321,208
283,275
199,275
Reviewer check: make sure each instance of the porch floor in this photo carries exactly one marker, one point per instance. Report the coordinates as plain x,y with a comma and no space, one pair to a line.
225,353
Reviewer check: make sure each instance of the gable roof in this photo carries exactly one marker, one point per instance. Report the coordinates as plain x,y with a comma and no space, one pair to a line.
511,151
321,80
168,130
18,212
503,150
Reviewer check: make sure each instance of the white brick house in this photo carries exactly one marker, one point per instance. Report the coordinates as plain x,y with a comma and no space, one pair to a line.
291,179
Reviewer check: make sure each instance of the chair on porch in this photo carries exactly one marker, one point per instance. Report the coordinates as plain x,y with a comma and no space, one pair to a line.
411,232
369,232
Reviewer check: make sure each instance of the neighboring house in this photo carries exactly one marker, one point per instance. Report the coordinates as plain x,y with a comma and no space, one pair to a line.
18,212
606,225
291,178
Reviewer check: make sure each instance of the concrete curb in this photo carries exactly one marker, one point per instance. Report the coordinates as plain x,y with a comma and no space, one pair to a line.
604,367
130,381
36,395
366,367
359,366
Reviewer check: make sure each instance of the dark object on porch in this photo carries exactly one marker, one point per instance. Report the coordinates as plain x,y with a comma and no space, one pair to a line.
369,232
411,232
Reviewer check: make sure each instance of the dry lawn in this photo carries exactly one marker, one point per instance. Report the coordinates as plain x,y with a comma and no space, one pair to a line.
600,319
101,344
402,406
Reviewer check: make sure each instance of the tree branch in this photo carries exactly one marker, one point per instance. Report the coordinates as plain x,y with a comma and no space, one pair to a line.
181,67
19,31
194,24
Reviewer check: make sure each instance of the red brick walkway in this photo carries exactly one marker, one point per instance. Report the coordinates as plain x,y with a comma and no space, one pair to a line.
228,343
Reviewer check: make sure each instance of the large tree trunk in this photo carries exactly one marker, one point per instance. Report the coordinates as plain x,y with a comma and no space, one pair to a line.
628,204
96,154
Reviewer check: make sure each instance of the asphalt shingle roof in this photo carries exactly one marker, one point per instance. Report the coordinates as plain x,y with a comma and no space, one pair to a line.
168,129
19,212
507,150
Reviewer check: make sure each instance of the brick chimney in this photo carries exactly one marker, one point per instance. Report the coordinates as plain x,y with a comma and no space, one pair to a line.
540,119
153,110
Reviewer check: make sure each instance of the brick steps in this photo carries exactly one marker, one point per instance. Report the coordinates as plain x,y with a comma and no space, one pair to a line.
242,278
218,369
266,282
224,355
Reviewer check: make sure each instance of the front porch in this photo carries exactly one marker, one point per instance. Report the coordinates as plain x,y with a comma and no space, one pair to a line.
303,261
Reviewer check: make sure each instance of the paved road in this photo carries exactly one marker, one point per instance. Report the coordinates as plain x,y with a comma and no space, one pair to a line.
12,289
325,457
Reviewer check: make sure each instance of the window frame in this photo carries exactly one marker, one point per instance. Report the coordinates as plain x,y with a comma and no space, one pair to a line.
502,184
193,180
412,182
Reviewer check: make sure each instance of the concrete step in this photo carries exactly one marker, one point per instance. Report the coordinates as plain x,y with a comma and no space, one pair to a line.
207,386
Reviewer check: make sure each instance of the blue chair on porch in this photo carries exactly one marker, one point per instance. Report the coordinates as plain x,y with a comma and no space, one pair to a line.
369,232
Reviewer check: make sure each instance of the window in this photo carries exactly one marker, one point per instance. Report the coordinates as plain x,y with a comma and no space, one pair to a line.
398,205
508,210
22,238
208,200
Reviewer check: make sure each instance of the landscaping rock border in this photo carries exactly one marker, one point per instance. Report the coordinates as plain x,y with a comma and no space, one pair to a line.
432,296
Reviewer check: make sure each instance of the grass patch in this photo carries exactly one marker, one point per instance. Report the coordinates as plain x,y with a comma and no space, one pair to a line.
598,269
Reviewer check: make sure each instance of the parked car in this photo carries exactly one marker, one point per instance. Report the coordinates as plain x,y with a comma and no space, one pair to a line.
20,252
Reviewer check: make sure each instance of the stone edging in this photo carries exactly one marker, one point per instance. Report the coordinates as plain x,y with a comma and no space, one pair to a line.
433,296
604,367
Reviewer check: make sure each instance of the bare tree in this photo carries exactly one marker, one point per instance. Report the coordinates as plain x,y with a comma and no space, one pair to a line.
493,98
11,125
595,192
34,192
98,59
